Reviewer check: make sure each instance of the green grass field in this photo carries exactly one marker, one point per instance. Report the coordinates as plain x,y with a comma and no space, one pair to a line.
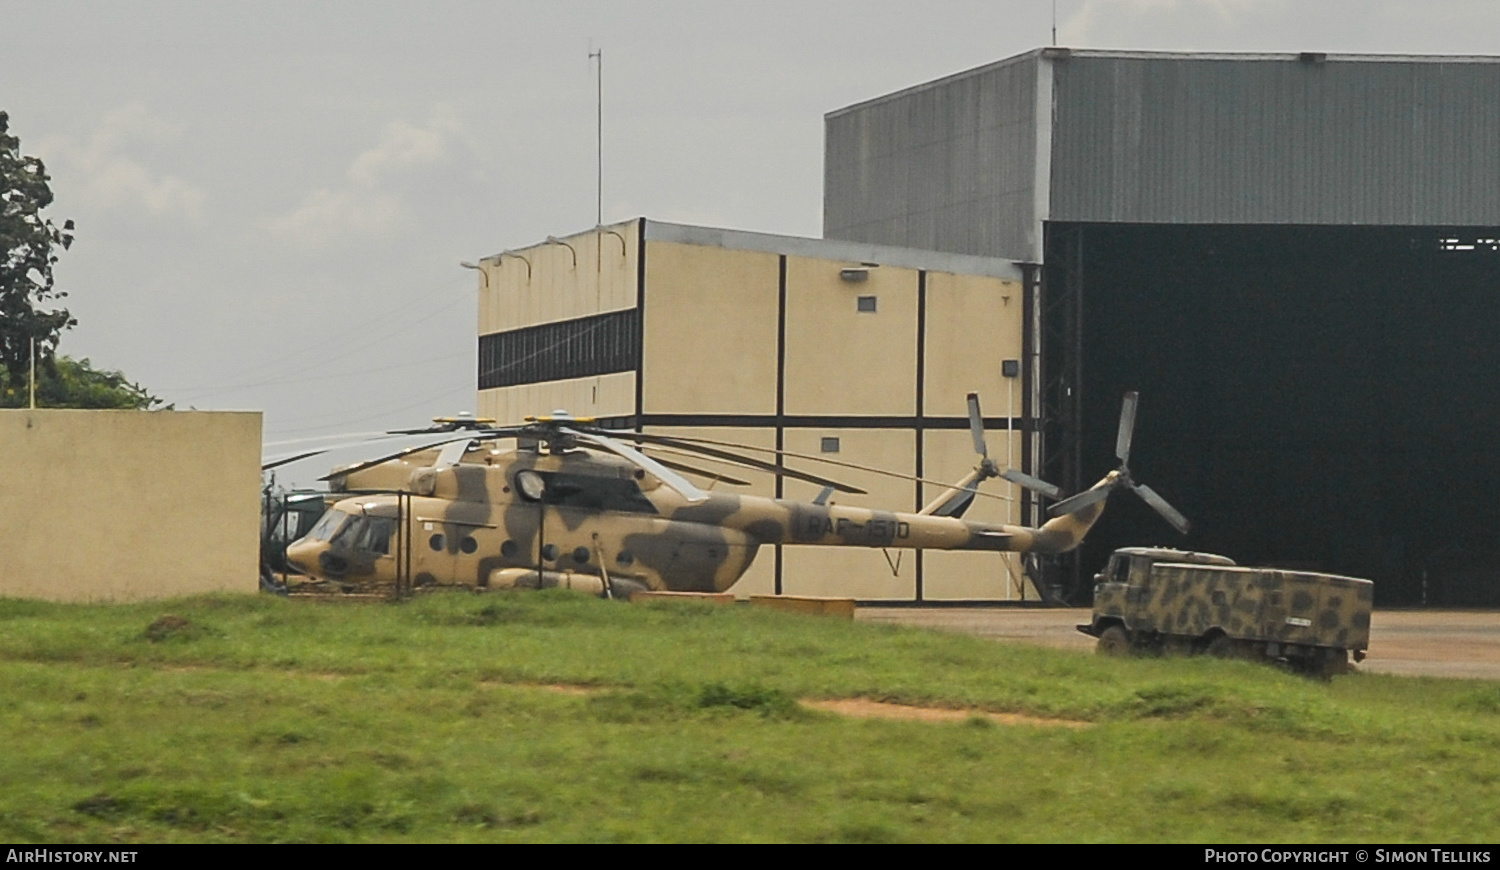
255,719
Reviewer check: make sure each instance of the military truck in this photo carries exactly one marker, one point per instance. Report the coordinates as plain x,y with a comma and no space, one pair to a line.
1151,599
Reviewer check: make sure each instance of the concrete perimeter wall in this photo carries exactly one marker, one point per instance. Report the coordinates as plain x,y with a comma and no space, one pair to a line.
125,505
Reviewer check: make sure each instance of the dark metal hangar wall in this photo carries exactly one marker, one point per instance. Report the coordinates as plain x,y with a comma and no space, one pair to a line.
1312,396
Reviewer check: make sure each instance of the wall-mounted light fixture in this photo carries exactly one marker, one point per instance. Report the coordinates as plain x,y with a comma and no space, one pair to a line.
500,261
554,240
854,276
482,272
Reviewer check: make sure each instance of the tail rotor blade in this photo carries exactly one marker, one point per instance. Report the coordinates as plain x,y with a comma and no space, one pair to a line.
1035,484
976,426
1159,504
1074,504
1127,427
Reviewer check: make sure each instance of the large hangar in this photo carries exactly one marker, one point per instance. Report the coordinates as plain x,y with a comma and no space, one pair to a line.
1295,258
832,349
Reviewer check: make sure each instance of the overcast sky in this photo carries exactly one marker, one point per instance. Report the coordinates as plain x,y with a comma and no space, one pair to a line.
272,199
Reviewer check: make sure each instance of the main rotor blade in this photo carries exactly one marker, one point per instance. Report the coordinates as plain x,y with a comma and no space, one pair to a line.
453,453
1168,513
1036,484
1127,427
689,443
462,421
976,426
1076,503
287,460
354,439
701,472
682,485
749,462
343,439
371,463
495,434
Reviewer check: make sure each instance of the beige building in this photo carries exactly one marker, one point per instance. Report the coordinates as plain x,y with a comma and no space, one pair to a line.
847,351
124,505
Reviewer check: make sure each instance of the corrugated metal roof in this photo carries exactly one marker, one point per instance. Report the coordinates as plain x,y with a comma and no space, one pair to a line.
945,168
1164,137
1235,140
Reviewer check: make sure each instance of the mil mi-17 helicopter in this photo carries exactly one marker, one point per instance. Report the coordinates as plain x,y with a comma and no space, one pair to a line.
572,505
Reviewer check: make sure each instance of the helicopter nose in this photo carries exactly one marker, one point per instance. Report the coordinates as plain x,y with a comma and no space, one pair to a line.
303,555
331,564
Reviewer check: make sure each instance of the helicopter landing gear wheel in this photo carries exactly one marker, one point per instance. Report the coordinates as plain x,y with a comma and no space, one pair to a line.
1113,641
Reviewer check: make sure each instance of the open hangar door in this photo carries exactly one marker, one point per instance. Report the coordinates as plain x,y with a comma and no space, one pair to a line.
1319,397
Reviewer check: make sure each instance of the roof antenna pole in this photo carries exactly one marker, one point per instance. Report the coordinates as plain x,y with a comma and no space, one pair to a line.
599,136
1054,22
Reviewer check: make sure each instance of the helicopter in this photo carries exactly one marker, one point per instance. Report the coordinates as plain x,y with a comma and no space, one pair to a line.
573,505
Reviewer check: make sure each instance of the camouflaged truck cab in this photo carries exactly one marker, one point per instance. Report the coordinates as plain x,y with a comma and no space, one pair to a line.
1160,600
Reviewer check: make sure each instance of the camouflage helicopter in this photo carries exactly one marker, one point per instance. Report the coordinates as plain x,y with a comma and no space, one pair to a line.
572,505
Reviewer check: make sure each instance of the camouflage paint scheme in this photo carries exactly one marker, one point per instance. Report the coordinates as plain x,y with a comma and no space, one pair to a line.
1164,599
601,520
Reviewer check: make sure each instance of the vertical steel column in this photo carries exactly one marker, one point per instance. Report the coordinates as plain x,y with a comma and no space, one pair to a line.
402,534
1061,415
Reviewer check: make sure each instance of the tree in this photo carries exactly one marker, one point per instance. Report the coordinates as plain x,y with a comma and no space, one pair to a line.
27,253
70,383
28,250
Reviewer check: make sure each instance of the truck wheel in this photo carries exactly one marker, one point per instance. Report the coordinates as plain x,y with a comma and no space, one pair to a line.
1113,641
1335,663
1222,647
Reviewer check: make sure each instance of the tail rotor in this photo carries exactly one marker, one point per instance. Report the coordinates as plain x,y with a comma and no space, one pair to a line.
1122,479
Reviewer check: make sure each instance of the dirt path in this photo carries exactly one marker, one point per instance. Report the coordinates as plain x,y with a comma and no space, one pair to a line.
1432,643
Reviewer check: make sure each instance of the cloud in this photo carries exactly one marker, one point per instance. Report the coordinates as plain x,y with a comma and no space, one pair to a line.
1158,23
401,147
326,214
367,203
104,172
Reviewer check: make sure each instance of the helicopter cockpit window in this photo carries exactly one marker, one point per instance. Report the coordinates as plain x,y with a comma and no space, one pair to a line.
583,491
290,522
367,533
328,526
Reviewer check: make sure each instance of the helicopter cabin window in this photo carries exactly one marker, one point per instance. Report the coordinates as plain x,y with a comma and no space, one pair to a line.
374,534
530,485
583,491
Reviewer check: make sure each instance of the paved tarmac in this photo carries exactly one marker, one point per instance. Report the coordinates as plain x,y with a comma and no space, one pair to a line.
1430,643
